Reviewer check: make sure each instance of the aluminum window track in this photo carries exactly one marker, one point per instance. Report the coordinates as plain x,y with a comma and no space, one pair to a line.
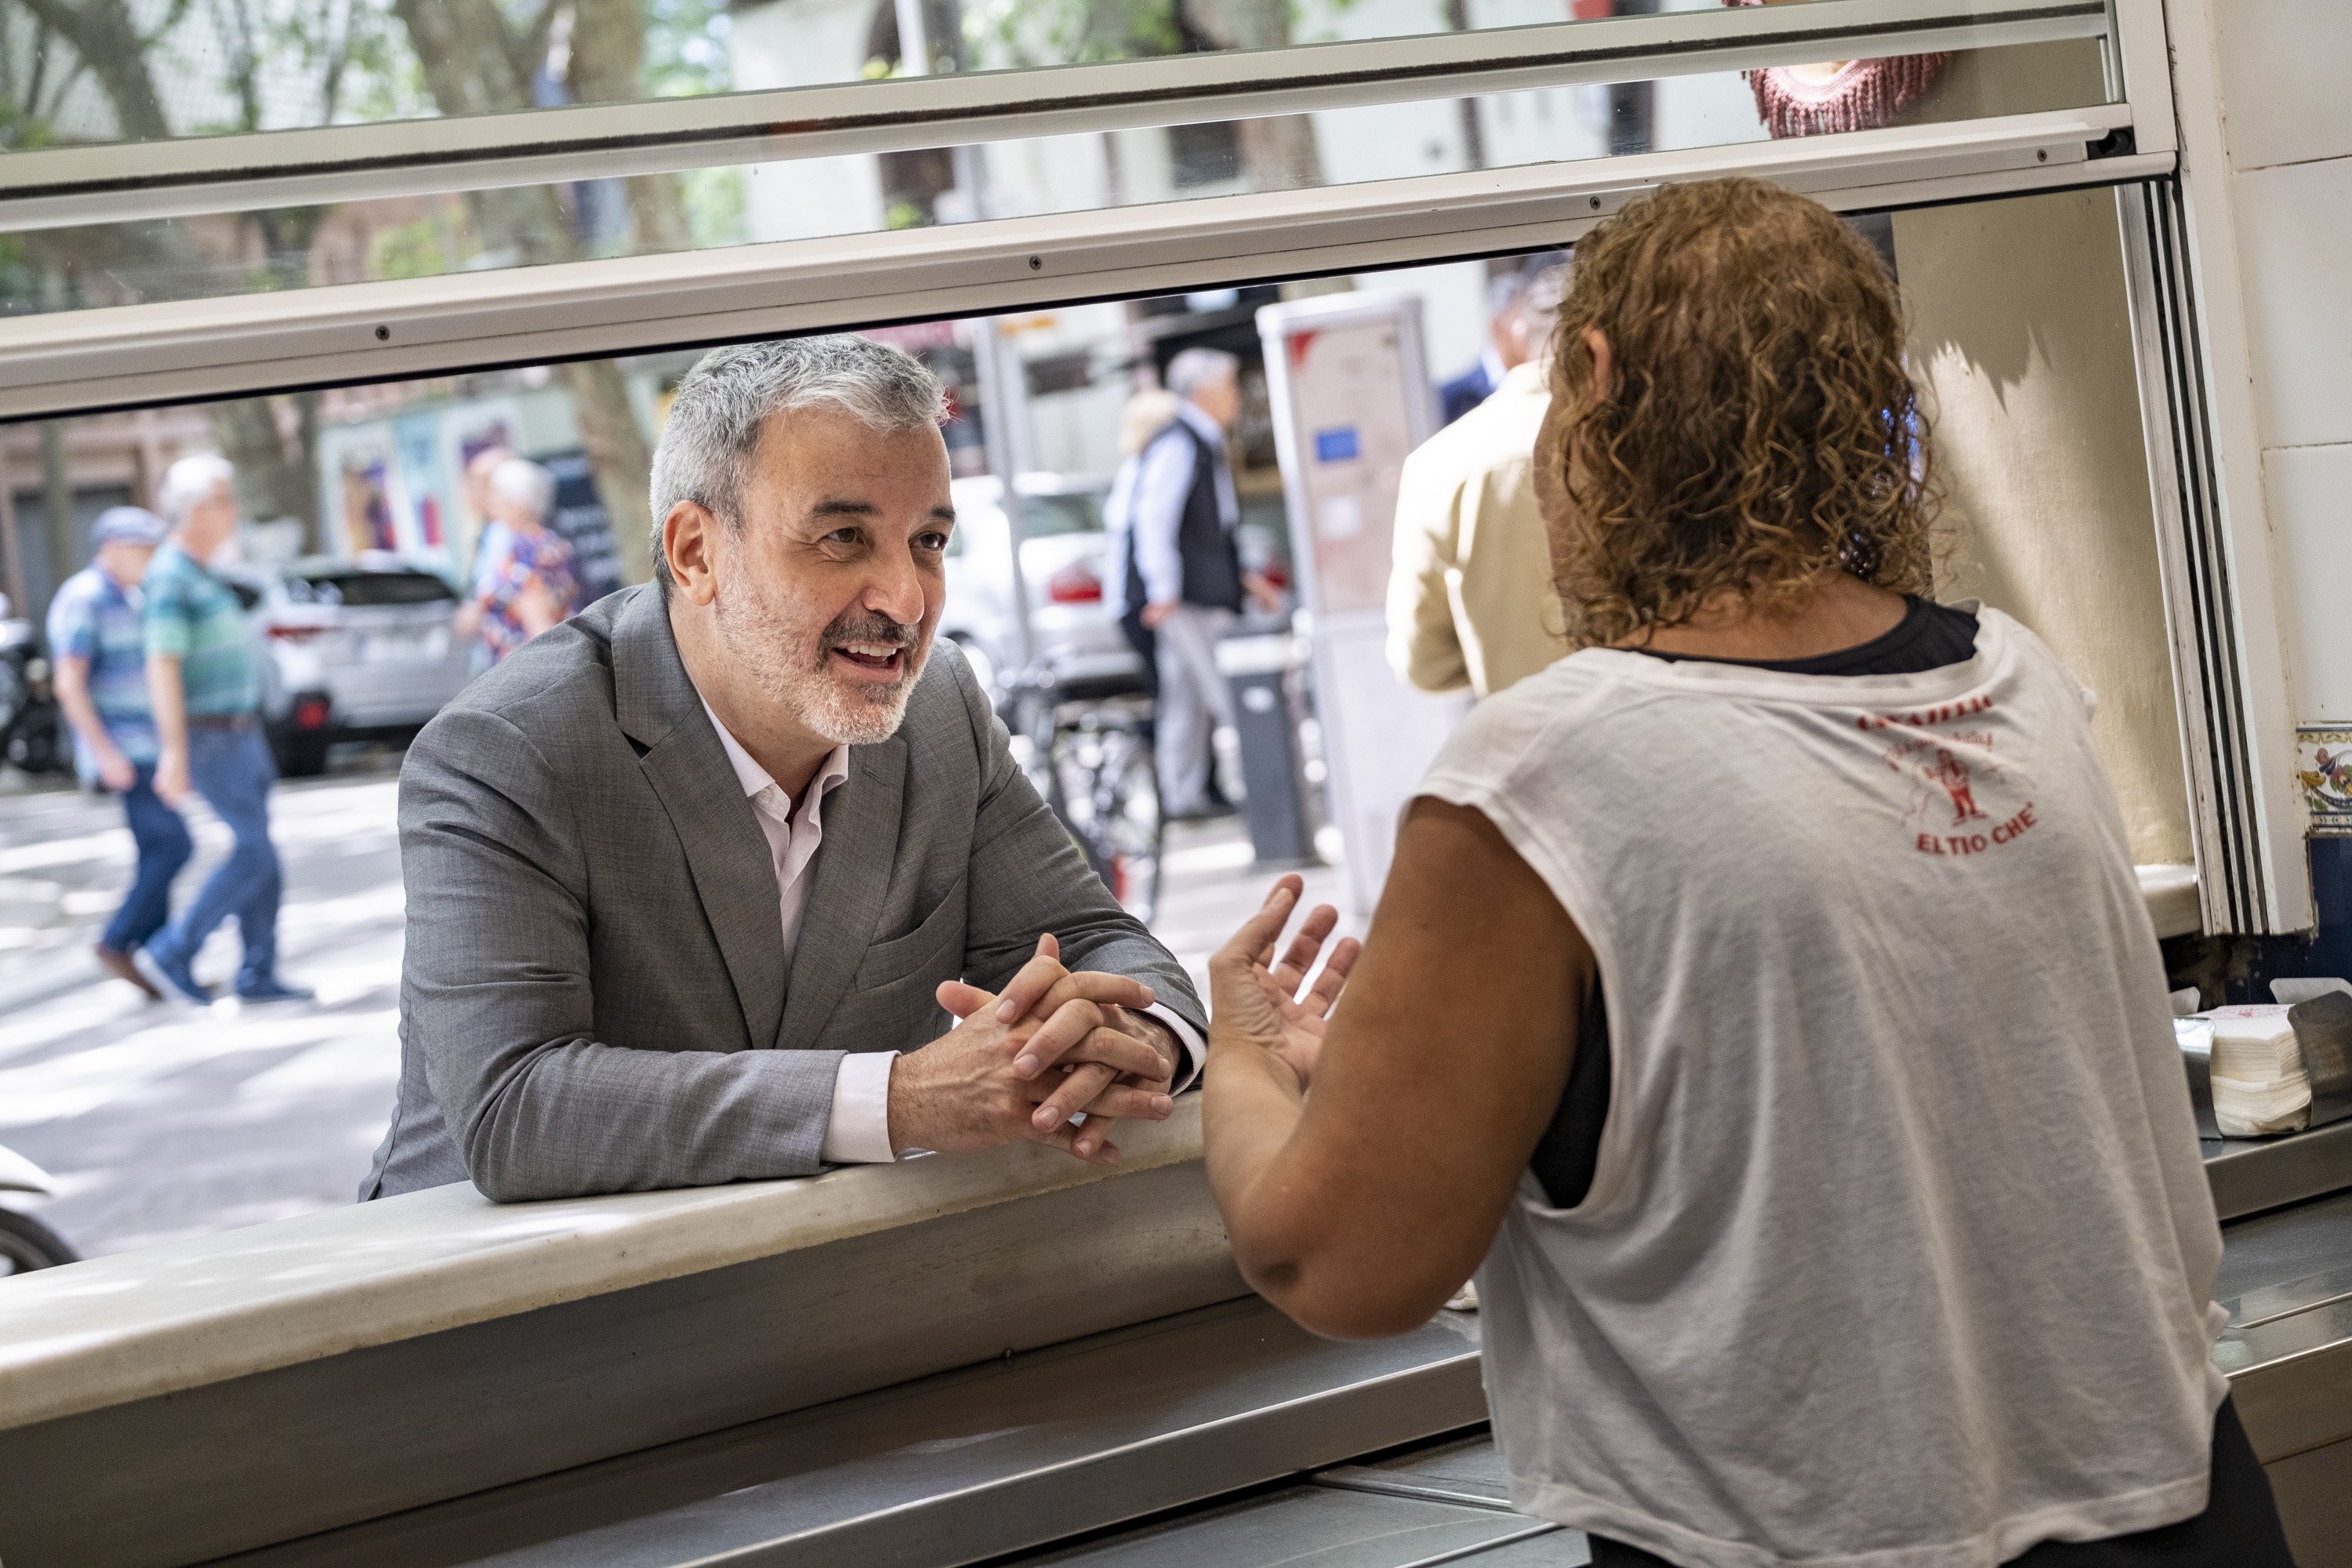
128,356
134,181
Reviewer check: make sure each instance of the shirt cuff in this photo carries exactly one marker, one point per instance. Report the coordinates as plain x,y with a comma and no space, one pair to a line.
858,1132
1196,1049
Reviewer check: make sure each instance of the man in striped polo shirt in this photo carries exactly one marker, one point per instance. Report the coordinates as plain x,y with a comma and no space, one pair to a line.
99,640
203,678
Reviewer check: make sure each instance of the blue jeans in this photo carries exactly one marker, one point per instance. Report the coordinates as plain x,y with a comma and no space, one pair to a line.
163,848
233,771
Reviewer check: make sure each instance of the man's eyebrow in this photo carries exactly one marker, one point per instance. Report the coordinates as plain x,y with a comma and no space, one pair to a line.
944,514
834,505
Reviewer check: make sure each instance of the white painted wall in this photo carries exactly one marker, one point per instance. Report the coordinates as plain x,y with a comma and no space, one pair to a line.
805,42
2286,131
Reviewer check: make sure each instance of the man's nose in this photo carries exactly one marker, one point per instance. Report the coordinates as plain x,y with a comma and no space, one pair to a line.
897,589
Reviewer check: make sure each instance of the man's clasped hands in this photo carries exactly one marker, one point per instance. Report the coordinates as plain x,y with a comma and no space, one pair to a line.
1058,1055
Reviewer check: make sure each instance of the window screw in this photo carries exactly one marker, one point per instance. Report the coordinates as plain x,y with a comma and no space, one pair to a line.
1596,204
1037,263
2041,155
383,334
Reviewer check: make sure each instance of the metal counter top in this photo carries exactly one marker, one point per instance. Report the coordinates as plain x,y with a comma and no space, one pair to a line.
843,1402
1228,1435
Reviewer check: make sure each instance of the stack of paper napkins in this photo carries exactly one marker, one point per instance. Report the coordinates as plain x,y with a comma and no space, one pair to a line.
2258,1085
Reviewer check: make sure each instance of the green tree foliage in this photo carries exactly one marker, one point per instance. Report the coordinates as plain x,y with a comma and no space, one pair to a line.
111,70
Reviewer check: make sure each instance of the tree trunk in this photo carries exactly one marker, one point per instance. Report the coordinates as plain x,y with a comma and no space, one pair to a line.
473,65
619,455
1279,151
56,511
608,63
275,478
1473,134
271,483
104,34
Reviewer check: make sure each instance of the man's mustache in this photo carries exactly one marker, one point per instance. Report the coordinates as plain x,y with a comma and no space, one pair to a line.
872,628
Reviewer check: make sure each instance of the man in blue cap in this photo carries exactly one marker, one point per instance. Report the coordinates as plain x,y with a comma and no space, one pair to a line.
98,642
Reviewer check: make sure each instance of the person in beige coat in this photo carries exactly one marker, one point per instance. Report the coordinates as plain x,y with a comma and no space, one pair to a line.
1470,595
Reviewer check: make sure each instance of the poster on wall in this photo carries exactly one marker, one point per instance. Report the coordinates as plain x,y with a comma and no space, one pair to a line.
424,485
467,430
1351,397
357,463
398,484
585,523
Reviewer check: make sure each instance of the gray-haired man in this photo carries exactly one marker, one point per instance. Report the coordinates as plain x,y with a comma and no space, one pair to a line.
687,874
1181,565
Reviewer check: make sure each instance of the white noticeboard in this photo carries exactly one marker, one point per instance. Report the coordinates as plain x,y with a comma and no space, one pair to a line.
1352,398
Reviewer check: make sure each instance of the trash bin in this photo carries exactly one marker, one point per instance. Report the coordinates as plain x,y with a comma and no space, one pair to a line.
1257,671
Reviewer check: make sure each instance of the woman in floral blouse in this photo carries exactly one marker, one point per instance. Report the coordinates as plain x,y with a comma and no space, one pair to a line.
532,587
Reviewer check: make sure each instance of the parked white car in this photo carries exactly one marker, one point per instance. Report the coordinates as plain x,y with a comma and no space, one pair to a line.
361,650
1065,559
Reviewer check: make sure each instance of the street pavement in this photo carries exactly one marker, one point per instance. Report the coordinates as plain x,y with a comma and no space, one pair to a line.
163,1121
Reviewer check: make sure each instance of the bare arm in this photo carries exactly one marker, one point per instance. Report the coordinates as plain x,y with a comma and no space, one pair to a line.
73,696
1357,1211
168,698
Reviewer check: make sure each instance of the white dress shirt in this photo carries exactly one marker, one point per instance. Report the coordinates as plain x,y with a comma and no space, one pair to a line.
858,1131
1147,500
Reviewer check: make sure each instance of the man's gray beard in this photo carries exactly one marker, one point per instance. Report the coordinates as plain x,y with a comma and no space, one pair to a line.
762,639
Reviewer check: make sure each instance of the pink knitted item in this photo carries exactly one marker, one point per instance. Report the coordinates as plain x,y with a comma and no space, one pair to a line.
1864,95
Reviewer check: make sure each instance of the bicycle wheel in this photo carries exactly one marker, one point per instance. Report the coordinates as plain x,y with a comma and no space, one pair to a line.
26,1244
1112,773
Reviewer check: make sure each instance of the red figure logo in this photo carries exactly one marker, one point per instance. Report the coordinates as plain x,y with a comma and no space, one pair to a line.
1953,775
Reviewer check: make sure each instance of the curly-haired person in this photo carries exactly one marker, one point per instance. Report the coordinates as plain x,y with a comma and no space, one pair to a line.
1762,1000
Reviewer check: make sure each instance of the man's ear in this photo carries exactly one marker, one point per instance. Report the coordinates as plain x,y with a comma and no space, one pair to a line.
690,543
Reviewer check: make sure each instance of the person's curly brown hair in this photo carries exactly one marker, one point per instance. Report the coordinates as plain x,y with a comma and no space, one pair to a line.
1759,432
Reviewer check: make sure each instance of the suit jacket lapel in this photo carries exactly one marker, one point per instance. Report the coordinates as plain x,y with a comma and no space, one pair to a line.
734,877
853,874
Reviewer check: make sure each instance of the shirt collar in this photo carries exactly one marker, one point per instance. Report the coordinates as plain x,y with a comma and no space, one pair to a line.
1201,424
755,778
1529,376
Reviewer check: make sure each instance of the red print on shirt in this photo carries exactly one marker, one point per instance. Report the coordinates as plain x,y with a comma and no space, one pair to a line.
1948,768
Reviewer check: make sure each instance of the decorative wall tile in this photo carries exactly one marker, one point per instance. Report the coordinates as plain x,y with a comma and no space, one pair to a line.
2324,768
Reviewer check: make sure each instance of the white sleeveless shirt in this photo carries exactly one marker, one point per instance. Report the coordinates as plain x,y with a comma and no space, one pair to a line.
1899,1252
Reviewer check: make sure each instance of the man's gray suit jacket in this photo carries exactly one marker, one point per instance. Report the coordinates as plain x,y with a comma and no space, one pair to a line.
594,997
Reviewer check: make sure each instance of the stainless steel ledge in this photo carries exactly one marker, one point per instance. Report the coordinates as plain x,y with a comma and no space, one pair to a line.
966,1466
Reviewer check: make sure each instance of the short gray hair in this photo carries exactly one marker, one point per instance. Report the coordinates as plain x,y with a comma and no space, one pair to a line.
1193,369
1539,305
525,483
189,483
705,452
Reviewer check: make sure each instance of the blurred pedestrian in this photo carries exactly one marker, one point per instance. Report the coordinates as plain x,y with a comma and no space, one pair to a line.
1505,349
1470,595
97,643
493,541
203,678
1146,413
1187,570
532,586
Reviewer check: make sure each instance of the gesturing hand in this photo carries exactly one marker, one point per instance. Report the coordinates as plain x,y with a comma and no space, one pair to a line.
1254,1000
